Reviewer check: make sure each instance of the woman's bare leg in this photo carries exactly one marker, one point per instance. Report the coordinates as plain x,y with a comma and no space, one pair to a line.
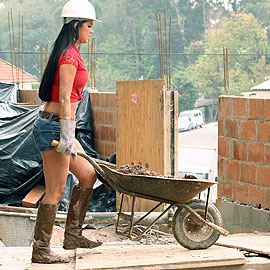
55,167
82,169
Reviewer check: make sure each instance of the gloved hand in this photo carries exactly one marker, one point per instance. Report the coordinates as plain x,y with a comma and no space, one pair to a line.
67,138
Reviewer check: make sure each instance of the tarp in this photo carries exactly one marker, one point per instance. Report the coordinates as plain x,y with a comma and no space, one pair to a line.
8,92
21,162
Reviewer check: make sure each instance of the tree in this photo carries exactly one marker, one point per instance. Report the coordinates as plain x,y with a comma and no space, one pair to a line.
245,38
187,94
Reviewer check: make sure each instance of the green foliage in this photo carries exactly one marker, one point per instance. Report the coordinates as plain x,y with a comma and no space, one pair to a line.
187,93
241,34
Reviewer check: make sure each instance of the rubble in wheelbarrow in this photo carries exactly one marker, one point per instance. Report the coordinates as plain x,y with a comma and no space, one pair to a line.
141,170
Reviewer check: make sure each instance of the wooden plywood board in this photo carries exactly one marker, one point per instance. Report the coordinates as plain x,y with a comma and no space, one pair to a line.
143,129
33,197
255,243
141,123
156,257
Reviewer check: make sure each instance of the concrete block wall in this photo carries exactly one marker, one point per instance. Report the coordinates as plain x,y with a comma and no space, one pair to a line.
104,109
244,150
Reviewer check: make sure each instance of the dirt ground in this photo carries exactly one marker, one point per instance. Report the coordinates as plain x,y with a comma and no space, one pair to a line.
107,234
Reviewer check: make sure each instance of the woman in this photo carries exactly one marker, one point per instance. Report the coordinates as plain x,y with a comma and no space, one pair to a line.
61,87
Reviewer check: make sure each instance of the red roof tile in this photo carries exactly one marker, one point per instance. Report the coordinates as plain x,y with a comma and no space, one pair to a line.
6,74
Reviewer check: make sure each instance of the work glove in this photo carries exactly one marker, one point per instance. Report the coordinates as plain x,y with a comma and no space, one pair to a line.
67,138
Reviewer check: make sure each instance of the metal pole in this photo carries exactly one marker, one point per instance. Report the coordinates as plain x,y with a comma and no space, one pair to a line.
170,52
161,39
227,70
22,52
159,47
12,27
10,44
167,81
19,36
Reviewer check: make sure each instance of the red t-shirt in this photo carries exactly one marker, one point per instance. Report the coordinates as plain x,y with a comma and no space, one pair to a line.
73,57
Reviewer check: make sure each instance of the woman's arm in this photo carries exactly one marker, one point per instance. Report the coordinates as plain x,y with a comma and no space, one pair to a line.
66,78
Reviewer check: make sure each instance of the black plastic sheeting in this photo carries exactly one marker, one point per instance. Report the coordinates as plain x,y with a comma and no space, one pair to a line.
21,162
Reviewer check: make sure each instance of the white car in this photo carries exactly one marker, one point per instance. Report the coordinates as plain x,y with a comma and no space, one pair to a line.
196,117
185,122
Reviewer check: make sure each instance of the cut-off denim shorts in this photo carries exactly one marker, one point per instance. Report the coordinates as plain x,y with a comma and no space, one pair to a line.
44,131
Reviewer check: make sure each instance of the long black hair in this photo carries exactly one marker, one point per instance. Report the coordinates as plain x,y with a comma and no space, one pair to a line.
66,37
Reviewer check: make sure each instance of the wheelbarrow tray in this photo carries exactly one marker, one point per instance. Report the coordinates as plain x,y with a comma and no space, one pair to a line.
178,190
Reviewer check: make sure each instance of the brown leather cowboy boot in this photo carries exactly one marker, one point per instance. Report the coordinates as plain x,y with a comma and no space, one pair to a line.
43,232
76,213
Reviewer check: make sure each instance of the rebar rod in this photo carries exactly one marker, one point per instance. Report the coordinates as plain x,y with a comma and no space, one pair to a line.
159,47
22,53
10,45
165,22
12,29
91,73
227,70
19,45
161,38
170,52
94,63
88,61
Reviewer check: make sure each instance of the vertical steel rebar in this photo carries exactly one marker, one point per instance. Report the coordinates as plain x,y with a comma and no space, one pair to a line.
19,45
41,60
94,63
12,29
159,47
22,52
91,73
88,59
227,70
166,42
161,39
10,45
170,52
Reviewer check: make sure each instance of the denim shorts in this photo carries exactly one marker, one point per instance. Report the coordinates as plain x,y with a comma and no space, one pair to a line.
44,131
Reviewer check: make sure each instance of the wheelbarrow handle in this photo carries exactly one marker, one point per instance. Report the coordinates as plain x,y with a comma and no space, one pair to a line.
93,163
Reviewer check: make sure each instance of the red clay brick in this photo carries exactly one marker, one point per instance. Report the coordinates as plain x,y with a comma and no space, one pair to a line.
240,192
221,126
263,175
257,196
96,132
104,133
240,150
256,152
227,192
95,100
248,130
267,197
100,147
248,173
104,100
221,168
223,147
108,118
93,112
264,132
112,100
224,106
256,108
267,109
99,117
232,170
109,149
112,134
239,108
231,128
267,150
220,189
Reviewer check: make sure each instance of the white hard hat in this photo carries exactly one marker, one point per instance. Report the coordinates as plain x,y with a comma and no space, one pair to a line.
78,9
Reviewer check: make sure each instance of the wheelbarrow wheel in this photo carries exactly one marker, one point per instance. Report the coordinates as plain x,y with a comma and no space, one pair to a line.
192,233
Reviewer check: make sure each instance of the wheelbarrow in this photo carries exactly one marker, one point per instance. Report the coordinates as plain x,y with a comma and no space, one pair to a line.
196,224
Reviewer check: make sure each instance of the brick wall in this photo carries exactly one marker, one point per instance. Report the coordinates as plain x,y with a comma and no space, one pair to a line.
244,150
104,117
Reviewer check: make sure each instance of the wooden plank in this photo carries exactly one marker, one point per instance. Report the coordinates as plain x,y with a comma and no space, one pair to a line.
156,257
143,130
256,243
32,198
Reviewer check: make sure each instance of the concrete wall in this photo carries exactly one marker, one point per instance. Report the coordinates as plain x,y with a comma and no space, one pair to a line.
104,116
244,150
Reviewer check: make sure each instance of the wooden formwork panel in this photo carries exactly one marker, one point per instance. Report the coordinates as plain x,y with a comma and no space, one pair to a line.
143,129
